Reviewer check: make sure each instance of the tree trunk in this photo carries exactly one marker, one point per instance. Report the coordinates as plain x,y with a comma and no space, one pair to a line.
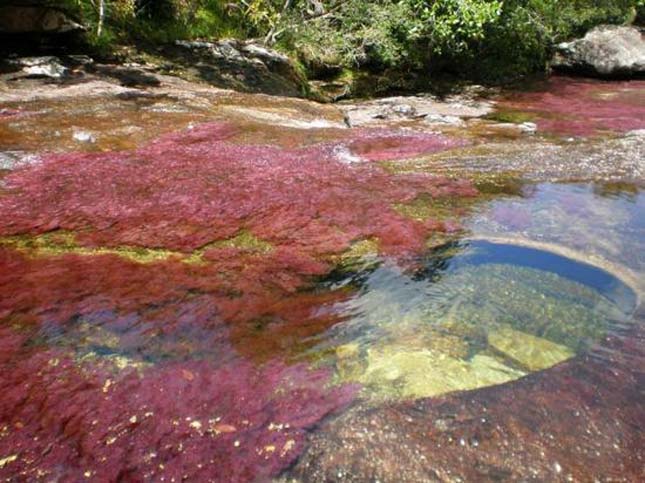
99,27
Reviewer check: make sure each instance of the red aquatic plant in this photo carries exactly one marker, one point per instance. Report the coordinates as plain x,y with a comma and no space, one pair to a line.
577,107
374,145
214,397
188,189
192,420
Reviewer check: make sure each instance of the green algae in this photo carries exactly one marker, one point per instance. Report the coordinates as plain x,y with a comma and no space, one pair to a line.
512,116
361,255
59,243
244,240
426,207
492,184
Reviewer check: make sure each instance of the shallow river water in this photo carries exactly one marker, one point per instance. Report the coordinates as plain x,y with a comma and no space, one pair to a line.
208,286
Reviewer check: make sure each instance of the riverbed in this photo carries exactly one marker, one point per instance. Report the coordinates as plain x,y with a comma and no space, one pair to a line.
204,285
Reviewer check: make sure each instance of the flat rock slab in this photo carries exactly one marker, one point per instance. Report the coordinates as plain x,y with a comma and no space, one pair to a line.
533,353
427,109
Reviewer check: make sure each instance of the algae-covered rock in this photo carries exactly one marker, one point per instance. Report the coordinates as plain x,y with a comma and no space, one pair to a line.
533,353
393,371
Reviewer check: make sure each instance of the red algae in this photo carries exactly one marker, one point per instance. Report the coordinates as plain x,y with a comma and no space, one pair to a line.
574,107
188,189
373,145
185,366
234,422
165,310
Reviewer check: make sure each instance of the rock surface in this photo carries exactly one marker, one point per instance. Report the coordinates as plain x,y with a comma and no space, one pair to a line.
428,109
573,422
244,66
46,66
36,19
606,51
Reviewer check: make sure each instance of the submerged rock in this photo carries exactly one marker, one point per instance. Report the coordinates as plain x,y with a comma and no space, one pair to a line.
397,371
606,51
578,421
534,353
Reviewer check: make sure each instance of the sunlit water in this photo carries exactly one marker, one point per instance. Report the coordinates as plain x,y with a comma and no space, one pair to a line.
475,314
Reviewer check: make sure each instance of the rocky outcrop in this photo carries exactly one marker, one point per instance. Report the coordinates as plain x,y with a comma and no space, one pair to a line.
243,66
605,51
428,109
36,19
28,29
46,66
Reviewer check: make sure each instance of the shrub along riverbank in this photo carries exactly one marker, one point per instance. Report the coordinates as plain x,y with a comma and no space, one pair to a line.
482,40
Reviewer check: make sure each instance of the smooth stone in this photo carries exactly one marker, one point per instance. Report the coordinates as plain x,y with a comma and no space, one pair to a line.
606,50
393,372
531,352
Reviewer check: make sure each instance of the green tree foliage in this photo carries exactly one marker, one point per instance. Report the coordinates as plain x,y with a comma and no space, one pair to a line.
489,39
484,39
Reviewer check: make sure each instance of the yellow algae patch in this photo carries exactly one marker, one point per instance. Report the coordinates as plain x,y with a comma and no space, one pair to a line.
359,255
349,364
115,361
244,240
533,353
59,243
426,207
62,243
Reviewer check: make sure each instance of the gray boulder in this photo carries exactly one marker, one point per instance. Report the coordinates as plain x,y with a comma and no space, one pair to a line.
45,66
605,51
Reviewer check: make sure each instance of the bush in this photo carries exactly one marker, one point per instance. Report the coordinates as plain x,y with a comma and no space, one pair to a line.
489,40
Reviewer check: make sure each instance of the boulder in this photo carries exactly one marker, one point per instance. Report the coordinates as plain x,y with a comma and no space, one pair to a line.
29,29
243,66
45,66
605,51
428,109
18,19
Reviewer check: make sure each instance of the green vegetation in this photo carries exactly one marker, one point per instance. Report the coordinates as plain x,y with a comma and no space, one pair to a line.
483,39
488,40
